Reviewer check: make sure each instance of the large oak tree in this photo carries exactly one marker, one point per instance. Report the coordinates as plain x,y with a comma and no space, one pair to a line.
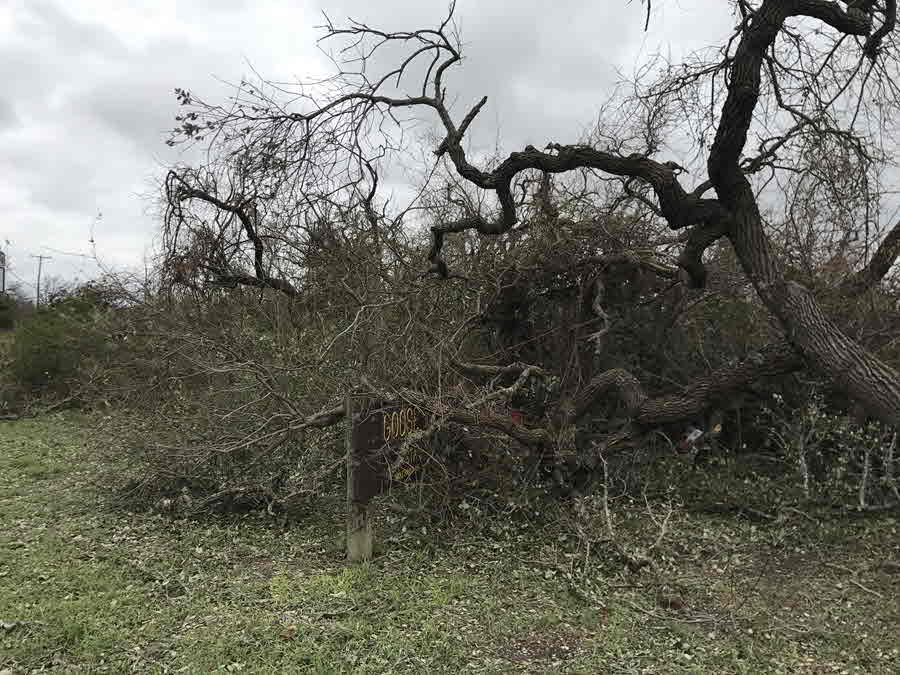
795,74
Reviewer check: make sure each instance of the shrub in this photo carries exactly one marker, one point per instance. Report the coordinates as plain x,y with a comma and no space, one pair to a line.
50,346
835,458
7,312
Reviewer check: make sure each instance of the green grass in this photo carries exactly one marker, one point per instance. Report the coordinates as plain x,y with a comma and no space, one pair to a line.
85,588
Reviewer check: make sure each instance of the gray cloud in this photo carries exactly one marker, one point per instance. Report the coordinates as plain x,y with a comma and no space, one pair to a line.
51,27
8,117
88,104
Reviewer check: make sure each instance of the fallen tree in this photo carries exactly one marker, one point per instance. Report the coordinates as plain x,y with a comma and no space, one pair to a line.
545,268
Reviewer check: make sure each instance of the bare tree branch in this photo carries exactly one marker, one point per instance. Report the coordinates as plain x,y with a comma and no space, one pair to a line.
881,262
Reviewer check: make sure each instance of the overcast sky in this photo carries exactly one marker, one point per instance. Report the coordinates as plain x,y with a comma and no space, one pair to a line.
88,92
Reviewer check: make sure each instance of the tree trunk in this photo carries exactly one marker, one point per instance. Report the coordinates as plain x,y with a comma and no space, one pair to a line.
818,340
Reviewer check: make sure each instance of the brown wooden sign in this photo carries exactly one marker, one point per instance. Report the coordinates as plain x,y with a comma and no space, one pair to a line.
377,457
379,431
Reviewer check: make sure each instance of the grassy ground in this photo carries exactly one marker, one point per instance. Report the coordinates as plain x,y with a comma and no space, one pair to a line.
84,588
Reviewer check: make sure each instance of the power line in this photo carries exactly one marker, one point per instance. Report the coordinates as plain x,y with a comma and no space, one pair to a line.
74,255
20,279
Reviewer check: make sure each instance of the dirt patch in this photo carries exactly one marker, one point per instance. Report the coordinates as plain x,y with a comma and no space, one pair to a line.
536,646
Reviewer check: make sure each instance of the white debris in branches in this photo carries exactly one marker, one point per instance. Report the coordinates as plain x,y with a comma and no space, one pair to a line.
597,307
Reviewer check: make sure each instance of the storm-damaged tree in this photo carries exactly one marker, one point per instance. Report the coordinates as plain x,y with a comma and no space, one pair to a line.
814,81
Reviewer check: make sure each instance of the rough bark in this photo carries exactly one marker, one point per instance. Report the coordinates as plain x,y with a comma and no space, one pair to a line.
884,258
818,339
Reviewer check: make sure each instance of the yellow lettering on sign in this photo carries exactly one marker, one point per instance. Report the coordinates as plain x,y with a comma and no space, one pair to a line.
398,424
410,420
404,472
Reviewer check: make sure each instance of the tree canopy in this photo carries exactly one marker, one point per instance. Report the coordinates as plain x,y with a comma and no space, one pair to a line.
568,272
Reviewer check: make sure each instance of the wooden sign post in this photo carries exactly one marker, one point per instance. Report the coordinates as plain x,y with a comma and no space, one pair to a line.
359,528
375,431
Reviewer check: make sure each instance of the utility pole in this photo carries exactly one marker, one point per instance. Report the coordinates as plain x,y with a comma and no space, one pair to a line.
41,259
2,272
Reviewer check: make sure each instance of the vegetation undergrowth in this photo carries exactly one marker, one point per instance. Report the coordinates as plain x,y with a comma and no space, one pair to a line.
85,588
